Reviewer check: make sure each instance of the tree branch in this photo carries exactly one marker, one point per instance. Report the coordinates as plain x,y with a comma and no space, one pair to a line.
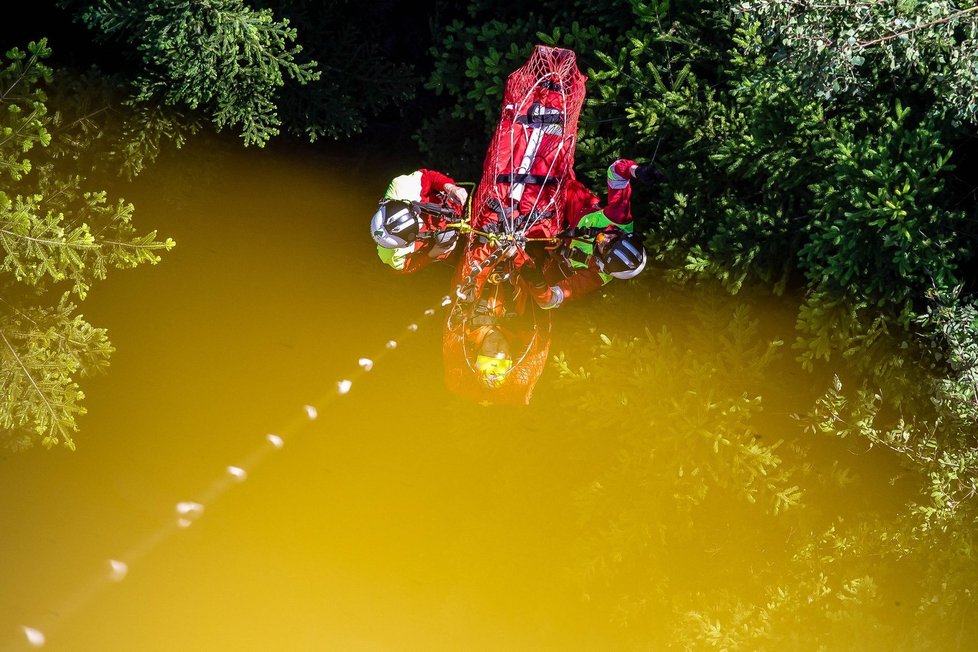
54,417
939,21
53,243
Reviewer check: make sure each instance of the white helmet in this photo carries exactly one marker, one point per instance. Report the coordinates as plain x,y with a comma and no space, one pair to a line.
395,224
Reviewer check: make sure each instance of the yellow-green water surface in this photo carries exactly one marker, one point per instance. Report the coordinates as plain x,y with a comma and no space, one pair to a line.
633,509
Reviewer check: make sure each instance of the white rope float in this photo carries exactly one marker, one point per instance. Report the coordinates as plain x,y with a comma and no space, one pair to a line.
190,511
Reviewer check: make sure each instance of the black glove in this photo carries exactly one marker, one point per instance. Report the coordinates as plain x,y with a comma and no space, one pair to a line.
531,271
648,175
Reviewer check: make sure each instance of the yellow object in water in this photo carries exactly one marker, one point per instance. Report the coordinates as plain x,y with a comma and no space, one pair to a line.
493,368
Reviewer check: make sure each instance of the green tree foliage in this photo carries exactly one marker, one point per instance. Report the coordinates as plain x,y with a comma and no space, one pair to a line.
853,47
57,238
824,148
221,57
240,63
365,54
857,200
950,323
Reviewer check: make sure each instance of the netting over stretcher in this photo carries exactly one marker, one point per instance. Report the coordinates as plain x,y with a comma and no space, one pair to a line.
531,155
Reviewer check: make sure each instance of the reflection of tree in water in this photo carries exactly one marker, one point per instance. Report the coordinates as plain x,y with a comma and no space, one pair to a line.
58,237
707,523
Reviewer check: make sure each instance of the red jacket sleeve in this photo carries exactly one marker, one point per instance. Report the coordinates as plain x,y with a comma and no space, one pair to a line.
582,281
433,182
619,208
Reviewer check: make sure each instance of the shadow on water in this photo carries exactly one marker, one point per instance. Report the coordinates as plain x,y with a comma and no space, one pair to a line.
663,498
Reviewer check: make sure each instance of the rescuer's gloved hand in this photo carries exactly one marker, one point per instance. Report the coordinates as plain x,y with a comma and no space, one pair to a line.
648,175
530,272
456,194
549,298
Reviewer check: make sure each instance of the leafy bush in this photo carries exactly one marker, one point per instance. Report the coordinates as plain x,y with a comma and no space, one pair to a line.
218,56
811,148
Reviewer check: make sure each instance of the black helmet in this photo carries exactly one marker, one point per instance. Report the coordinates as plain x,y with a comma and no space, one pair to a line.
395,224
619,254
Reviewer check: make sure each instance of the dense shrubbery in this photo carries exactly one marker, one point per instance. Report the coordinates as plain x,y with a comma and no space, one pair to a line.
244,67
848,191
810,146
218,56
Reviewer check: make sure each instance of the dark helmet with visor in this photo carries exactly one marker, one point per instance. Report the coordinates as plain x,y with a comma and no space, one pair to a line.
619,254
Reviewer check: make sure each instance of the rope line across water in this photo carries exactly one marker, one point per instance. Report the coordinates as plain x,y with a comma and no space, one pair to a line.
188,511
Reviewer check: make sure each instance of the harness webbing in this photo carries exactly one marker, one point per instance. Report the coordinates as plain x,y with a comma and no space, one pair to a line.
532,179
